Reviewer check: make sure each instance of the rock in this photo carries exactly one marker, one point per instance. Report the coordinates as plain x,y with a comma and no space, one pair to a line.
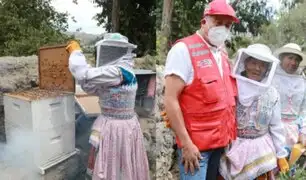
149,134
164,146
165,142
159,105
16,73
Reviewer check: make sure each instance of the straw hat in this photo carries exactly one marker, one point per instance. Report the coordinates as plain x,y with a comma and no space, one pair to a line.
290,48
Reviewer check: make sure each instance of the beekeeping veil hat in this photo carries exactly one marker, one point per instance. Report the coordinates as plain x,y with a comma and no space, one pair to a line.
249,89
112,49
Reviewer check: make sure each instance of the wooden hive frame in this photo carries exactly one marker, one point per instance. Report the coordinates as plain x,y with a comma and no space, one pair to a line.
53,69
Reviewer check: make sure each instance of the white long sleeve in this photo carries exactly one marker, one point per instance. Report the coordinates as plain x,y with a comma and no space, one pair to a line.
277,132
90,78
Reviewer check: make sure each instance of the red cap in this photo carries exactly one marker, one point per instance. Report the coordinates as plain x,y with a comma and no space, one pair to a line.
220,7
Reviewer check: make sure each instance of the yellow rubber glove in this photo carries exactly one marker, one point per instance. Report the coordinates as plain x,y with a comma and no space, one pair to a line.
72,45
283,165
296,152
165,118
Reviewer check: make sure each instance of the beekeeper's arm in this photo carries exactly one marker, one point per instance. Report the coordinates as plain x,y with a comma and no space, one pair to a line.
277,133
91,78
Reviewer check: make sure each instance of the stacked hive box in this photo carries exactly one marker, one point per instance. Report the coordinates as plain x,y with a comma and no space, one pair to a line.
44,116
145,96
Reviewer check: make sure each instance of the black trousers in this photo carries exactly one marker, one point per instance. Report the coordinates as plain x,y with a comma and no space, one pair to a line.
213,164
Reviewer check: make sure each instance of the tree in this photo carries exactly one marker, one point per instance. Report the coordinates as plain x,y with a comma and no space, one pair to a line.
188,13
115,15
27,25
136,21
289,27
288,5
166,25
252,15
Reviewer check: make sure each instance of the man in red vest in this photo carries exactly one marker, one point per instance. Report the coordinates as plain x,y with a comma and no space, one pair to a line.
200,94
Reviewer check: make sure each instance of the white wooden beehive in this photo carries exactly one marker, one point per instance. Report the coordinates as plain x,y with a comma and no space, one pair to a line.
47,121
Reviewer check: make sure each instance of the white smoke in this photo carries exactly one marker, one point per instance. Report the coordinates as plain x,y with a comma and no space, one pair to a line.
16,155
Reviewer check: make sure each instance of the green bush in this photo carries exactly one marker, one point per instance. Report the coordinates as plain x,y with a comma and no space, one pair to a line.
300,174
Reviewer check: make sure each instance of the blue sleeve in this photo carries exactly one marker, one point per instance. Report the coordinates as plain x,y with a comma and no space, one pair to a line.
128,77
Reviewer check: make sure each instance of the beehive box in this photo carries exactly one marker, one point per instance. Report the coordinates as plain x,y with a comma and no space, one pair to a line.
44,118
45,115
53,69
145,96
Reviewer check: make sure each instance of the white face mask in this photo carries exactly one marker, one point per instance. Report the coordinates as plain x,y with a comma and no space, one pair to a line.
217,35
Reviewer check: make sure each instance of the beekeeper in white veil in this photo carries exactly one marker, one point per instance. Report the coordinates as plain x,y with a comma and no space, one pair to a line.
112,52
291,85
117,147
260,143
115,51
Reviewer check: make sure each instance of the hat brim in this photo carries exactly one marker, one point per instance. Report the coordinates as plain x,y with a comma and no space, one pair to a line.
115,42
282,50
261,56
234,18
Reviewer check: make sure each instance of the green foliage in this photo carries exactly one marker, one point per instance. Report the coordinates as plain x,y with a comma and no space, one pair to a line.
252,14
300,171
290,27
90,59
146,62
238,42
300,174
288,5
186,17
27,25
137,22
188,13
161,56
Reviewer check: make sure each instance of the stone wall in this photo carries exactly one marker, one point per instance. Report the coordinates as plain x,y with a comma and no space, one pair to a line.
166,165
16,73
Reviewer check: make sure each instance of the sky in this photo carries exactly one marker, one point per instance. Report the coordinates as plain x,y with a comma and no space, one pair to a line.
85,11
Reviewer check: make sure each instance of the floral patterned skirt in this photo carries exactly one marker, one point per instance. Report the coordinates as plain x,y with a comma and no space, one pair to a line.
117,151
249,159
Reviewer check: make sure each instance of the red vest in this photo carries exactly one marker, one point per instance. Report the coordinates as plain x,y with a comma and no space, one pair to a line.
208,103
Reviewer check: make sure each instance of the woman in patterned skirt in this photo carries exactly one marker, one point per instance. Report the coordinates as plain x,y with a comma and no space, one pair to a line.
118,151
260,145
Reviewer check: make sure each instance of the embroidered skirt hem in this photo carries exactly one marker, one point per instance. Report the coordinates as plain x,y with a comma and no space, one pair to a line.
248,158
